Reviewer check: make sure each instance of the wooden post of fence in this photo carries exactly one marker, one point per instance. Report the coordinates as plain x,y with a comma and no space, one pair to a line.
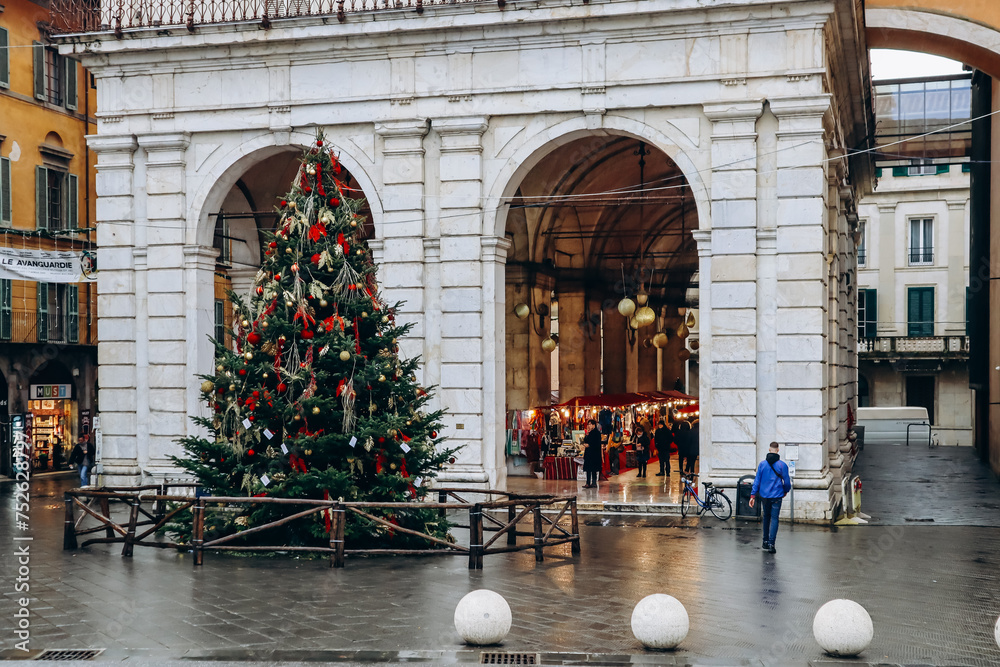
574,527
161,505
106,511
133,519
537,511
198,531
512,531
442,498
475,536
69,528
337,535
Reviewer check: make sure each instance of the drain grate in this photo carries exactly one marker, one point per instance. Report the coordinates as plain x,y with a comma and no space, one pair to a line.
63,654
504,658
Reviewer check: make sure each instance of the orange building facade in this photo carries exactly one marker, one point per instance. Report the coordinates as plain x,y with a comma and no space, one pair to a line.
48,331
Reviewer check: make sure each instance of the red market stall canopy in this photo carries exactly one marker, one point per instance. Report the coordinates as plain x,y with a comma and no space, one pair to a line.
623,400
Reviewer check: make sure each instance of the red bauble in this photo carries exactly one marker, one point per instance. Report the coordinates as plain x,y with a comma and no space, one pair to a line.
334,201
272,244
256,394
319,142
250,418
381,440
315,258
307,189
239,401
434,434
222,390
243,371
307,334
218,408
284,203
260,290
282,386
250,452
253,338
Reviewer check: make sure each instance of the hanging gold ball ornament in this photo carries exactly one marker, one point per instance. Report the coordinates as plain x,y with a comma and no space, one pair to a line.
522,311
324,303
354,223
641,298
381,378
263,325
385,319
660,340
633,323
289,304
207,386
232,387
683,331
288,251
690,319
358,252
296,417
219,368
626,307
248,356
264,375
281,338
316,410
645,316
548,345
364,314
244,323
684,355
345,355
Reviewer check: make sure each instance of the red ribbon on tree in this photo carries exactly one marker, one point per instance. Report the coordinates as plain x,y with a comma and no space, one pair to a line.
326,513
357,337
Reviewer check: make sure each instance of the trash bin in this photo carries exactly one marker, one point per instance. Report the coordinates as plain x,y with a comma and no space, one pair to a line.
743,488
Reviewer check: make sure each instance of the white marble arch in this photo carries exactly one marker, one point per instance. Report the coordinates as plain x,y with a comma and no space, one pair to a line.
516,161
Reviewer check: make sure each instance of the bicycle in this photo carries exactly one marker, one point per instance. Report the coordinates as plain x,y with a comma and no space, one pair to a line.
716,501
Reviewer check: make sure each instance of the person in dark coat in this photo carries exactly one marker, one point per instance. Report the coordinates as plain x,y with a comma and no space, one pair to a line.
641,443
685,462
694,446
83,457
662,439
592,454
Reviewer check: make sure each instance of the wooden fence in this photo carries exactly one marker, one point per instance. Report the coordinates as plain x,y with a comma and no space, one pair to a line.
148,512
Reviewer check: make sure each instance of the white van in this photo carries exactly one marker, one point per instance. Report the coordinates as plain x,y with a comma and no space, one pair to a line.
888,426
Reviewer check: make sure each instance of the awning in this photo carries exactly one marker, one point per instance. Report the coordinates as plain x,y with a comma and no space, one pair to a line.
622,400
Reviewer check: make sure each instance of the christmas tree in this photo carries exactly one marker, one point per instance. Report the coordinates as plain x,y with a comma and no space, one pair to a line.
311,399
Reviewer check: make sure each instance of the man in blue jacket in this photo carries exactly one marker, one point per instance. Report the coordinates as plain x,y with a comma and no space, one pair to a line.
771,483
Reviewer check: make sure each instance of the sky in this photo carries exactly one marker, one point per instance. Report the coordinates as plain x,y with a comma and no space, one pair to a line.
888,64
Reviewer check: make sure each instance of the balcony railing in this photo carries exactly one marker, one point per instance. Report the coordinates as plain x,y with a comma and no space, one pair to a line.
24,329
921,255
933,346
75,16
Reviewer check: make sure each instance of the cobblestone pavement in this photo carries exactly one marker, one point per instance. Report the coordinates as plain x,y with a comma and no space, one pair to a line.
931,591
942,485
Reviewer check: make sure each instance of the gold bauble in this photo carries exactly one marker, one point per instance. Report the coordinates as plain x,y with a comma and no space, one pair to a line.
308,452
324,303
296,418
288,251
645,316
633,322
392,466
219,368
232,387
316,410
683,331
364,314
345,355
282,338
207,386
358,252
263,325
385,318
690,319
548,345
522,310
264,375
626,307
354,223
641,298
381,378
245,323
684,355
248,356
660,340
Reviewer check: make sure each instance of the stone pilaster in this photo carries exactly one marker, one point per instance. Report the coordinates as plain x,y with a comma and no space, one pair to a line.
707,451
732,328
804,258
116,351
884,233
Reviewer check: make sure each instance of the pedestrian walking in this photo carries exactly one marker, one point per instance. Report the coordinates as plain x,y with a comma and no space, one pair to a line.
641,444
614,449
694,446
83,456
663,439
593,454
682,431
771,484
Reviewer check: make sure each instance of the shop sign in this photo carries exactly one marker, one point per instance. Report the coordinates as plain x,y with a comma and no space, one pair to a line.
37,391
47,266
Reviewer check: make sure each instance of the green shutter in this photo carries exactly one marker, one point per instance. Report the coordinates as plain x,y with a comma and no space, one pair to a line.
4,60
966,168
6,314
41,198
72,314
900,171
871,313
43,312
920,311
72,77
38,51
73,199
878,172
943,168
5,194
220,321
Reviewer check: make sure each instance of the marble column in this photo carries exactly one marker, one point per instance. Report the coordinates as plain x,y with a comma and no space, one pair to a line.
116,349
732,325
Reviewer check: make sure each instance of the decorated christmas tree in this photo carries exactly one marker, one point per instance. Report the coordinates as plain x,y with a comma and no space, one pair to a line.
311,398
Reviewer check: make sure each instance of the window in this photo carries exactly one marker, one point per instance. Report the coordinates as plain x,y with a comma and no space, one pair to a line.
863,243
922,241
220,321
57,196
867,313
920,311
921,168
58,313
4,59
5,193
6,312
223,240
56,77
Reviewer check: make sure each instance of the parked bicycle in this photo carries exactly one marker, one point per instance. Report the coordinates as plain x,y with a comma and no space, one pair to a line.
716,501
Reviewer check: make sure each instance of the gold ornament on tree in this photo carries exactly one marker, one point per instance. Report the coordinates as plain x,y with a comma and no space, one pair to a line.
549,345
522,311
626,307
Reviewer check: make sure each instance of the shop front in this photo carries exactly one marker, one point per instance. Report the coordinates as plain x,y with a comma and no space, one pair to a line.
52,415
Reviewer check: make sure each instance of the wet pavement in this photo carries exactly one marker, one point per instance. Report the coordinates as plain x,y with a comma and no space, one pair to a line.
932,590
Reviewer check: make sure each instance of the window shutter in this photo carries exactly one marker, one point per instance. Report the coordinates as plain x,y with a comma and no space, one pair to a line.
41,198
5,194
72,203
900,171
38,51
43,312
72,314
220,321
4,60
6,315
927,311
72,77
943,168
871,313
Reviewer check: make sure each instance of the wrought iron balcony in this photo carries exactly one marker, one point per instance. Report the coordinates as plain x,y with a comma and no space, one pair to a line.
921,255
24,329
82,16
893,347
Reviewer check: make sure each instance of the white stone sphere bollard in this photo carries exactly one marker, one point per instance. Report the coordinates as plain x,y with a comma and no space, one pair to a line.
660,621
482,617
843,628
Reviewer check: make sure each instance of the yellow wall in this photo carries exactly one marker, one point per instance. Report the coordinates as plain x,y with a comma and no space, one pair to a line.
26,122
